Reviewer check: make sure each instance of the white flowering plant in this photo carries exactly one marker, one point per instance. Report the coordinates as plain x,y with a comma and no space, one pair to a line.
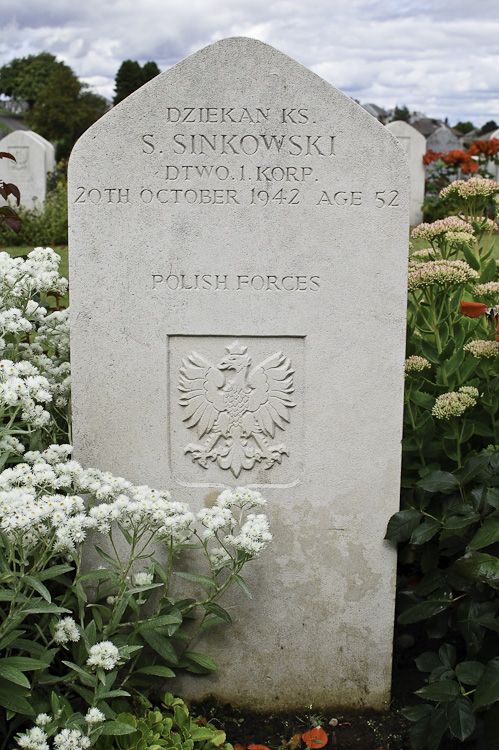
448,526
85,638
34,355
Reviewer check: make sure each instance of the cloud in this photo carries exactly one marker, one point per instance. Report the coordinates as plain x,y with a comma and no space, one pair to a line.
440,58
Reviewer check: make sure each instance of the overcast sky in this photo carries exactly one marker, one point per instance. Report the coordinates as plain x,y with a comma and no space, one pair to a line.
440,57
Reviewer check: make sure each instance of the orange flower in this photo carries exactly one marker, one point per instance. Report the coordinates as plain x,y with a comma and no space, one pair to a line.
315,738
473,309
431,156
258,747
489,148
461,159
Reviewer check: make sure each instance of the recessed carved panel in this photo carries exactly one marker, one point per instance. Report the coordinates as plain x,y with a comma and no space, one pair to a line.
236,409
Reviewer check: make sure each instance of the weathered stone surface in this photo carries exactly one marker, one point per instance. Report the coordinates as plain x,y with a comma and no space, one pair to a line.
29,171
49,150
414,144
239,204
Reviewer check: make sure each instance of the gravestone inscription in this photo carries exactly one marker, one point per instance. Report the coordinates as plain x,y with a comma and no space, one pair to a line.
240,224
414,144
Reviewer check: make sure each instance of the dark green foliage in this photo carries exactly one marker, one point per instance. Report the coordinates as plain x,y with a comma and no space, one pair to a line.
401,113
489,127
60,108
131,76
464,127
47,226
448,525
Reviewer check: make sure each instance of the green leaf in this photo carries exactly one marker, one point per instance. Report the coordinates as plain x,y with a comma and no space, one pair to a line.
54,571
44,607
115,728
34,583
424,610
210,622
461,717
25,663
487,689
438,481
415,713
422,399
102,574
242,585
157,670
203,733
443,691
216,609
492,496
106,557
14,675
428,661
201,659
447,655
469,672
158,622
161,645
487,534
425,531
13,701
470,257
478,566
489,272
204,581
402,524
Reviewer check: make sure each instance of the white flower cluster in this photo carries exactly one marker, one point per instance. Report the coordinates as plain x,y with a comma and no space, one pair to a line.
455,403
251,538
254,535
66,630
143,578
34,506
38,274
22,386
34,739
71,739
482,349
104,655
94,716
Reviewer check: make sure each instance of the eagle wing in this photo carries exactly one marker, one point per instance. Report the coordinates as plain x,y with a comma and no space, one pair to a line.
200,383
270,400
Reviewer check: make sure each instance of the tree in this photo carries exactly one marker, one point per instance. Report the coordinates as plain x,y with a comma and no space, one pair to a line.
401,113
131,76
60,108
24,77
464,127
488,127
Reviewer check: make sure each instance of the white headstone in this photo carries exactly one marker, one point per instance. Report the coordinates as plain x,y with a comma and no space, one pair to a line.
49,149
241,208
414,144
29,171
491,166
443,139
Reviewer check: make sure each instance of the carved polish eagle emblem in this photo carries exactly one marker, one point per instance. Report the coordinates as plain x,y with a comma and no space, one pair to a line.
236,408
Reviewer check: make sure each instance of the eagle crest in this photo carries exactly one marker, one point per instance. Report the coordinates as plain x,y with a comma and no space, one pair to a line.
234,415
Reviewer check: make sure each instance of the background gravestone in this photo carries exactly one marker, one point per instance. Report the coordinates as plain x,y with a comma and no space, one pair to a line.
49,150
29,171
491,166
444,139
414,144
239,211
